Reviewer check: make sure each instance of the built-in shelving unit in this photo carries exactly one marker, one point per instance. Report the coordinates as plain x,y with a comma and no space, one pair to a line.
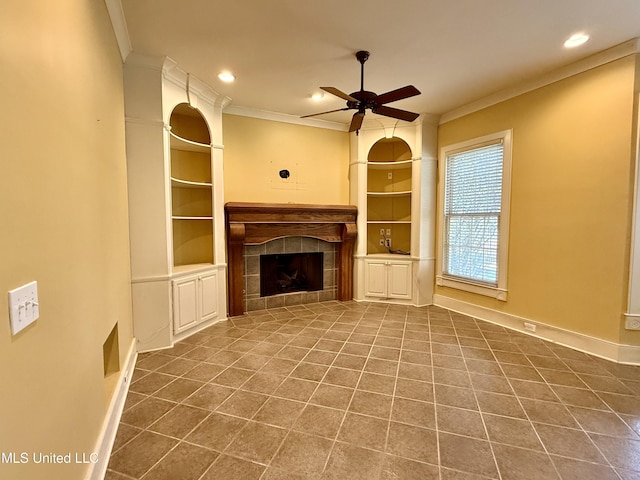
176,202
389,189
392,181
191,188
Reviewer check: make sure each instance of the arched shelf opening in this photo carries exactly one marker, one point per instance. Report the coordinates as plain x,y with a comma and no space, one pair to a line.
191,188
389,189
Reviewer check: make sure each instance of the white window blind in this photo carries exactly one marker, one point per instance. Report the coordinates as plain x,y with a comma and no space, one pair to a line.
472,208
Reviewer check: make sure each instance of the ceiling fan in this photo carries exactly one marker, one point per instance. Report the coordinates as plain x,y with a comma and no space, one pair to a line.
363,100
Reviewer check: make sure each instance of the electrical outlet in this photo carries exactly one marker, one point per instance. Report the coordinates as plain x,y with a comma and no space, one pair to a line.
530,326
388,232
382,231
387,242
632,323
23,306
382,242
390,175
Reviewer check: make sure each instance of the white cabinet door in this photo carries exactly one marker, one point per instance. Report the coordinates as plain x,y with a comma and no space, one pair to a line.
208,295
376,279
185,304
388,279
399,285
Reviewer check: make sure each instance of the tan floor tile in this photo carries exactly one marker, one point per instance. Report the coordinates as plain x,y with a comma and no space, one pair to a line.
415,443
467,454
570,469
151,383
232,377
620,452
204,372
141,453
373,404
453,362
231,468
490,383
178,390
187,462
352,462
216,431
455,397
460,421
606,423
243,404
342,376
547,412
296,389
178,366
125,434
279,412
416,372
413,412
352,362
318,420
395,468
179,421
309,371
302,455
533,390
373,382
209,396
279,366
364,431
512,431
519,463
257,442
382,367
568,442
266,383
499,404
320,357
146,412
332,396
414,389
446,376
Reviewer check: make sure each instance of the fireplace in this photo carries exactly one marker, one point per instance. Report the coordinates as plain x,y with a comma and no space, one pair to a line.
255,228
291,272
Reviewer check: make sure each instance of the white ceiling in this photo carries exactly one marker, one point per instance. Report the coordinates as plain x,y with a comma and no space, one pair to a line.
454,51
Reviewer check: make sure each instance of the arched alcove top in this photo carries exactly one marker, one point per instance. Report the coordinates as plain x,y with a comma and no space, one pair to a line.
392,149
188,123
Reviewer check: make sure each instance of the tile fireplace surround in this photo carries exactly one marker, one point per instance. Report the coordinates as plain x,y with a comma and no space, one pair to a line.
258,223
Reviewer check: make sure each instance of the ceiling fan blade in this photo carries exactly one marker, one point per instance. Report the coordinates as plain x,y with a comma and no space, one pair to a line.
397,94
322,113
396,113
338,93
356,121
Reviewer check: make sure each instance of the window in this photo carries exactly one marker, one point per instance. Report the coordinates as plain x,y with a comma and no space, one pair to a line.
474,216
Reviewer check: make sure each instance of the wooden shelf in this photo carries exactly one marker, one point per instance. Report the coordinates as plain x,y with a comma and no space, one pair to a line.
179,143
389,194
402,164
176,182
190,218
397,222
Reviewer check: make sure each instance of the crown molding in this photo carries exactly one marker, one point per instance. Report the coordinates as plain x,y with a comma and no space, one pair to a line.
284,118
627,48
119,24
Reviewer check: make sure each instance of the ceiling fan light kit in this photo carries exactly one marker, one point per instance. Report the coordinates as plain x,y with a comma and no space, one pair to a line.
364,100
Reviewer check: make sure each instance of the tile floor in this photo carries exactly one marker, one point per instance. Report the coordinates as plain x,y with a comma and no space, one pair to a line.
372,391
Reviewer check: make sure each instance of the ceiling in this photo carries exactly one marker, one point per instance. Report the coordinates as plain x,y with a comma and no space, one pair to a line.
454,52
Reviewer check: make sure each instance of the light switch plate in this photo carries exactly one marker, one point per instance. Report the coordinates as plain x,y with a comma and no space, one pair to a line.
23,306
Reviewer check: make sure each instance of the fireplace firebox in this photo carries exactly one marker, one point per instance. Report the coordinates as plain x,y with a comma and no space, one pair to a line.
291,272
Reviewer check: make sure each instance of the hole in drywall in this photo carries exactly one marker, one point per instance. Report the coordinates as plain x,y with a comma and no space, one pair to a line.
284,173
111,353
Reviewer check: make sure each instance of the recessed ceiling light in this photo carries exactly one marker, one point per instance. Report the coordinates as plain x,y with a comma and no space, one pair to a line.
317,96
226,77
576,39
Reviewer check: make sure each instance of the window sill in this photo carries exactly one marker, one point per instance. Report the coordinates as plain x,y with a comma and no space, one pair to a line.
493,292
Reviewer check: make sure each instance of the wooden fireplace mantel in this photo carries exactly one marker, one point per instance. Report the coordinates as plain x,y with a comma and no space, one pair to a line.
256,223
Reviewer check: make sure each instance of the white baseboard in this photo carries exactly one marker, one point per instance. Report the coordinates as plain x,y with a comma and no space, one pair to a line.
109,430
626,354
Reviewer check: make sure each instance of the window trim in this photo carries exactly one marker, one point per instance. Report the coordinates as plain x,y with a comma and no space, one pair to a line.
500,291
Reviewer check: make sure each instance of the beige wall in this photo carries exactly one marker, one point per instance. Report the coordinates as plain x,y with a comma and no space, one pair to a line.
570,201
63,206
256,150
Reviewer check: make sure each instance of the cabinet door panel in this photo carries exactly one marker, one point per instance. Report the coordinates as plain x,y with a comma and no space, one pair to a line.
400,280
185,304
376,280
209,295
